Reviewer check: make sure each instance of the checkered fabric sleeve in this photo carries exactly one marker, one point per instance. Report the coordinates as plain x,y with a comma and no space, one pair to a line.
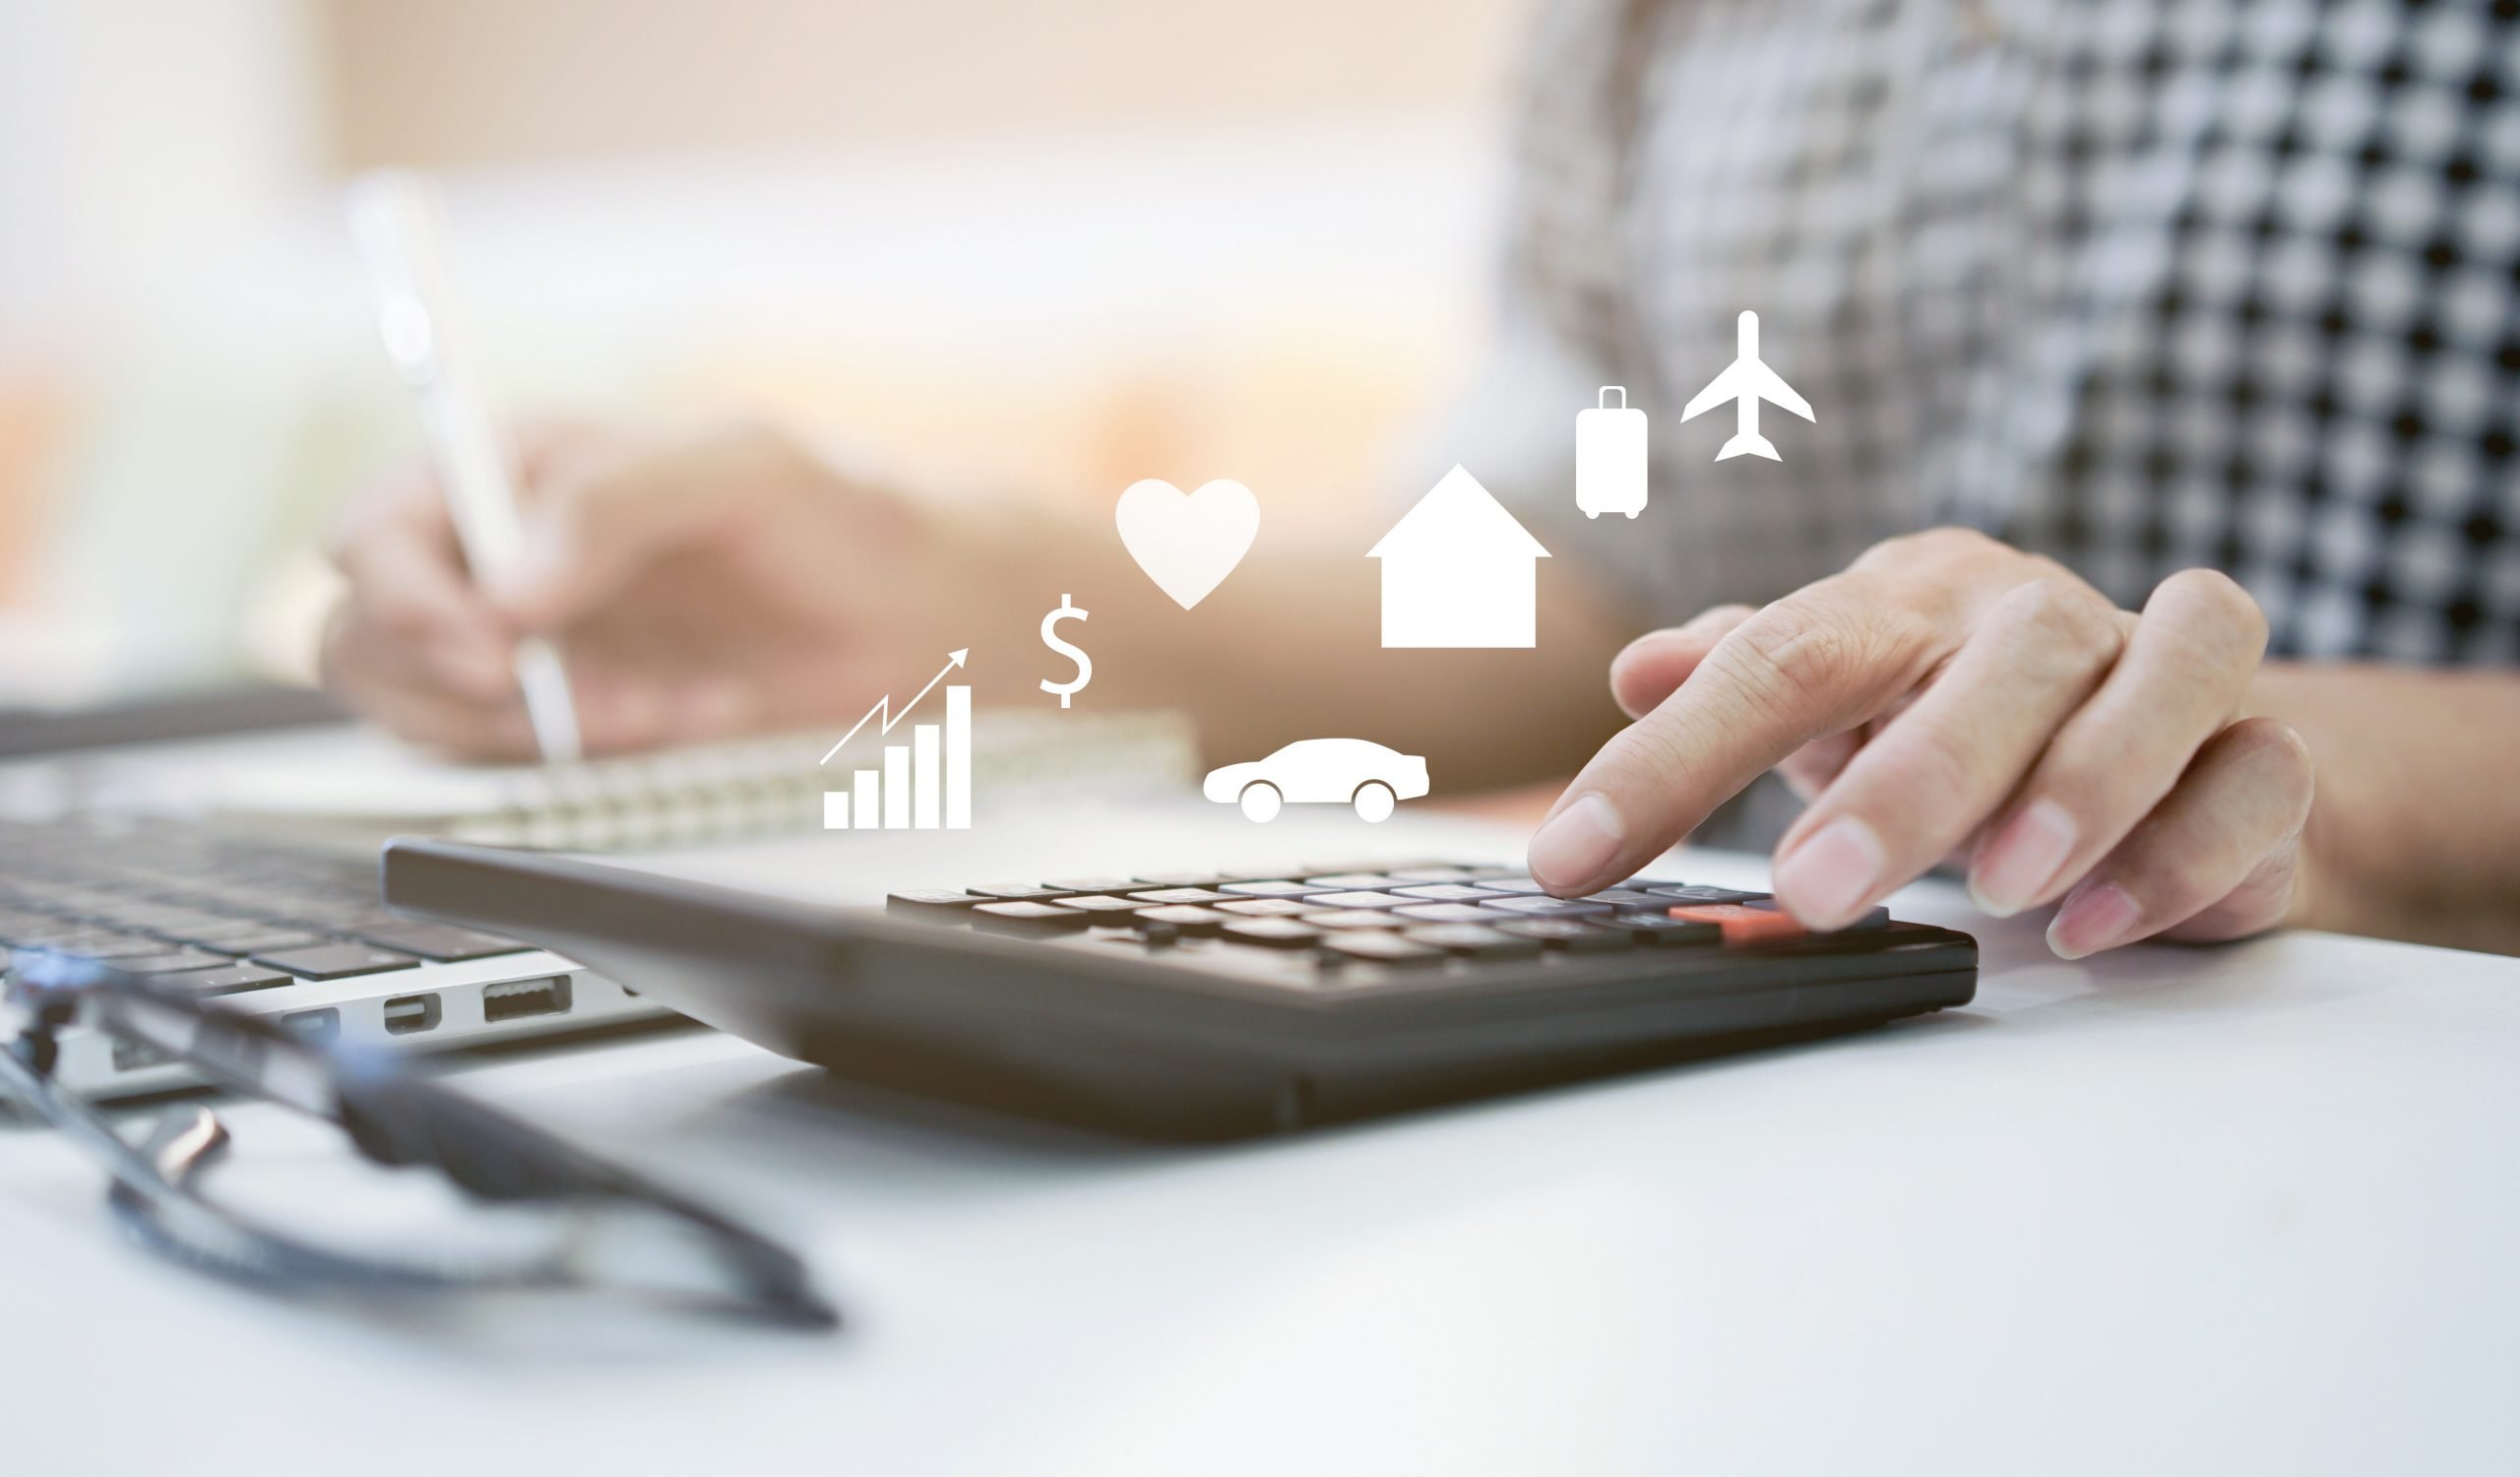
2137,284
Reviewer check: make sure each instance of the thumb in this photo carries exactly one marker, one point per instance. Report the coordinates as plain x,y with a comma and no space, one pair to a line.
1653,666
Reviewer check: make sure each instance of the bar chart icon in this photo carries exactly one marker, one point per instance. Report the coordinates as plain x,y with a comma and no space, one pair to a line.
924,784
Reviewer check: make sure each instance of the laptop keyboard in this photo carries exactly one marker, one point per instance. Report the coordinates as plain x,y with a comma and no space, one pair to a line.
210,914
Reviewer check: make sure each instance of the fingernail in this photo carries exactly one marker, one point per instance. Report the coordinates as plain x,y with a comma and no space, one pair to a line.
1576,843
2023,858
2094,920
1831,876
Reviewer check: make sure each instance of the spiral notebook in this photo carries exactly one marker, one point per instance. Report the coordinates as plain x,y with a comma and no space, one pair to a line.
356,784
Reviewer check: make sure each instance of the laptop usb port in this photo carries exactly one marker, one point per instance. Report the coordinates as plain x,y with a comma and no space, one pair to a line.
517,999
409,1015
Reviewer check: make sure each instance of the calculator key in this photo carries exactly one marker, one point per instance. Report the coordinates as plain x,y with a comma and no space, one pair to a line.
1264,907
233,979
1702,895
1181,878
1348,918
1017,892
1355,881
1441,912
1092,884
1380,948
1877,918
1274,933
933,897
1517,883
1475,941
1657,929
1184,918
1180,896
1626,897
1029,918
1445,892
1545,907
1358,900
1579,936
1097,902
1742,924
443,943
334,961
1429,874
1276,887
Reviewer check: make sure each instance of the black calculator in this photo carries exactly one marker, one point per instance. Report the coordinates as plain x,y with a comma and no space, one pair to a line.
1213,1005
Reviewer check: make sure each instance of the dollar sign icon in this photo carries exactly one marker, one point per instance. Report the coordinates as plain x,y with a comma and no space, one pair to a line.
1050,638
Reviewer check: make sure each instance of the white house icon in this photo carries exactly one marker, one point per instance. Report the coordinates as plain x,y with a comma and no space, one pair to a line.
1458,571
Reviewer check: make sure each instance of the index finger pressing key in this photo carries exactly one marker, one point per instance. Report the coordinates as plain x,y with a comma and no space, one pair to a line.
1817,663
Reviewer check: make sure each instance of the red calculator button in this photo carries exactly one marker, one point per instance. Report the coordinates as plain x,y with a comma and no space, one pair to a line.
1742,924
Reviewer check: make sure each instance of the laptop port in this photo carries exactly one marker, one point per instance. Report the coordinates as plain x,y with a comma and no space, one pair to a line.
409,1015
314,1025
519,999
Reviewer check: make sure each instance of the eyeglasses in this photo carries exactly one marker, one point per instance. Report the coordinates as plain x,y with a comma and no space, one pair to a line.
604,1226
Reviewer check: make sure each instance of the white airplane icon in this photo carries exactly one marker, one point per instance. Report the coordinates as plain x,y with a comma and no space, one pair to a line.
1749,382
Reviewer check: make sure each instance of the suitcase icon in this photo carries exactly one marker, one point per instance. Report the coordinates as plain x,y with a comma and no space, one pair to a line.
1609,457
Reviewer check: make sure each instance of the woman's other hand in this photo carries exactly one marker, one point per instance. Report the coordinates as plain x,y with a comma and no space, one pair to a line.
703,580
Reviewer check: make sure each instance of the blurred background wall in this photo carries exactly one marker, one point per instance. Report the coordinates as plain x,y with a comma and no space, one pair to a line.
1029,249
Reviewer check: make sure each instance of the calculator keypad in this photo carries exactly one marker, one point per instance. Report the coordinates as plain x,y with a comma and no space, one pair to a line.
1336,929
1027,917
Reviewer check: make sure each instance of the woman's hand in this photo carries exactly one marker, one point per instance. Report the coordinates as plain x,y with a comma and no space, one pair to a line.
1948,694
703,580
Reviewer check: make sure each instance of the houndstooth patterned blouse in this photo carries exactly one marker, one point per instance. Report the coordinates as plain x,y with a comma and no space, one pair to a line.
2136,284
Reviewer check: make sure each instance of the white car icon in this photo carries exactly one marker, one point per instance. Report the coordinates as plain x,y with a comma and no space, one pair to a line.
1321,771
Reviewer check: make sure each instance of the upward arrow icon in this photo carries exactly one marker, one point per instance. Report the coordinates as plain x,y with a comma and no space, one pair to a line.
890,716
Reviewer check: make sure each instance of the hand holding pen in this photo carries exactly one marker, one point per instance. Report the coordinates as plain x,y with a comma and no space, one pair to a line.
714,578
398,225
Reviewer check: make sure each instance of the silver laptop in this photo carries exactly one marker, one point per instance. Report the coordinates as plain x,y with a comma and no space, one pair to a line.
291,930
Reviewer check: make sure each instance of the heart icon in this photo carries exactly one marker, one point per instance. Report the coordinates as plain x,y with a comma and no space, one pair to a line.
1188,542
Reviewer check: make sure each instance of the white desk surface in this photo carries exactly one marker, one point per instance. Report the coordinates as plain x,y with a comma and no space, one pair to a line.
2250,1209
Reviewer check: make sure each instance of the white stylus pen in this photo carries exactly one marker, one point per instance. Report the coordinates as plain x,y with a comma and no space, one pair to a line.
398,223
